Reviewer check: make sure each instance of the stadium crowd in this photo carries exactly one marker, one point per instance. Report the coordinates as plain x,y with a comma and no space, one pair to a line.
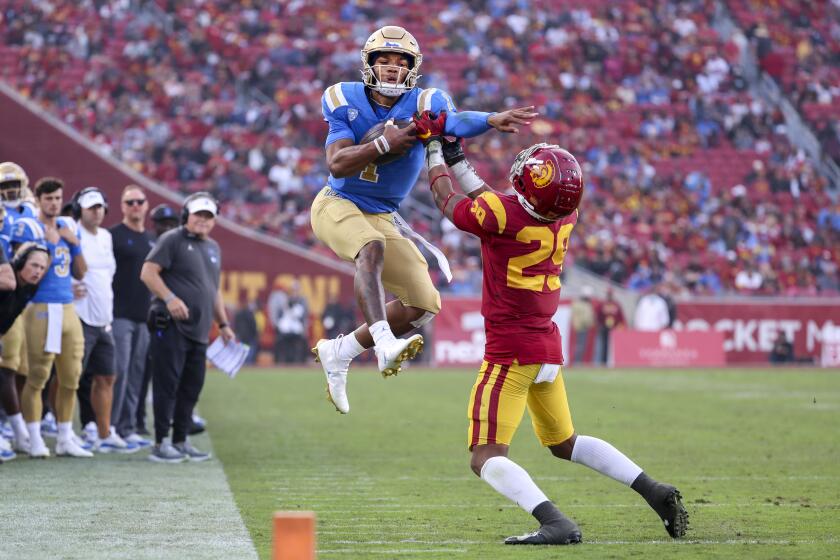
691,180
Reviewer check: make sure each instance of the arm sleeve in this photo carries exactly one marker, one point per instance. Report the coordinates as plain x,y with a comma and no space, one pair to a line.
467,124
163,251
463,125
480,216
336,118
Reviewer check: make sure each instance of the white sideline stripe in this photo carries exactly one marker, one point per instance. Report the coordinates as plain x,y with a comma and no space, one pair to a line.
319,482
120,507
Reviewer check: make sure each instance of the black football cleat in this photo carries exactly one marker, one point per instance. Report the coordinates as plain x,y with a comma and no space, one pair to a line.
564,531
666,501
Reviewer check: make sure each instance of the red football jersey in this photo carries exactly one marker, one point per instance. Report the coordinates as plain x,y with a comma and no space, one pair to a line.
522,259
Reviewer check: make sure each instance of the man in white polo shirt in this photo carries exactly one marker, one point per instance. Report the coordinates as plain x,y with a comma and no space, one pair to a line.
96,310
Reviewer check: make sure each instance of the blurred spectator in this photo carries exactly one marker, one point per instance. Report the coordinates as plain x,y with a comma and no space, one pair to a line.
782,352
291,323
652,312
583,321
337,318
748,279
609,316
245,327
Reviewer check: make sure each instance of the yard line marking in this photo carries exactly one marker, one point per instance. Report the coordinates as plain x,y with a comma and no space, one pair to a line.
410,507
394,551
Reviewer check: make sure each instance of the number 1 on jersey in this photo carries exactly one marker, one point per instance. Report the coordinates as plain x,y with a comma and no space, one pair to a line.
369,173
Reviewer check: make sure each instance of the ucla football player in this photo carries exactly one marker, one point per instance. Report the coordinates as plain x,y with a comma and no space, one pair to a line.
372,169
16,201
52,327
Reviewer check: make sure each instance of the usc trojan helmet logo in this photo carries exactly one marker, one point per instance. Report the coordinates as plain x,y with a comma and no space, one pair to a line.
548,181
391,38
542,174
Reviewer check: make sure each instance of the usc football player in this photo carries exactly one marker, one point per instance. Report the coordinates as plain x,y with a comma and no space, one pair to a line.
373,165
524,237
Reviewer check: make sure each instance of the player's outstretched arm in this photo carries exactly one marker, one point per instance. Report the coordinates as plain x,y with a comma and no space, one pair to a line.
468,124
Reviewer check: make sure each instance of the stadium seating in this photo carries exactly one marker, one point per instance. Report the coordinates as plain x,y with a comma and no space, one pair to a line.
688,175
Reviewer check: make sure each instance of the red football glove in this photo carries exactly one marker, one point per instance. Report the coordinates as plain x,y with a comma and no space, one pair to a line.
430,126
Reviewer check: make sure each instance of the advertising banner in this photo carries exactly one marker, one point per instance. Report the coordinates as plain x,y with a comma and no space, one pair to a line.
750,328
666,348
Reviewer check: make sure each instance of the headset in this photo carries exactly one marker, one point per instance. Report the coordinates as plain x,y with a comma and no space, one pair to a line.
201,194
22,254
77,207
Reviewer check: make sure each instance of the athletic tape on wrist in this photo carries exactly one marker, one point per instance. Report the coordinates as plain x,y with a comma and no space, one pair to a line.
467,177
382,145
434,154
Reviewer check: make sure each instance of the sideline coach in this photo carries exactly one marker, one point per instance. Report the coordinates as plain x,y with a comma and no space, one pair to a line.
182,272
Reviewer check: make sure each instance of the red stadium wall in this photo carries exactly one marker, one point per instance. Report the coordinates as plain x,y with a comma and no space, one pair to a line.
253,264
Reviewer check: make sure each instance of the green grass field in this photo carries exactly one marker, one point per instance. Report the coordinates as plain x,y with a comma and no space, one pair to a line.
756,454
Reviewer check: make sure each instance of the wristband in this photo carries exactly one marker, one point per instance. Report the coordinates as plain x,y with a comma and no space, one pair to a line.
74,249
432,182
381,145
467,177
169,298
446,202
222,325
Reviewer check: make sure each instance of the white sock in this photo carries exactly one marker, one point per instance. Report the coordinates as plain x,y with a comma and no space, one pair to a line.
513,482
600,456
34,431
65,431
19,427
349,347
381,333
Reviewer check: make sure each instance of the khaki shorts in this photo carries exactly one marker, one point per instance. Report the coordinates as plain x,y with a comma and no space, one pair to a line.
345,229
14,348
68,364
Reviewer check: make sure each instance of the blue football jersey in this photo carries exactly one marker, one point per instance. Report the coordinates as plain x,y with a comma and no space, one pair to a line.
350,114
56,286
6,236
7,233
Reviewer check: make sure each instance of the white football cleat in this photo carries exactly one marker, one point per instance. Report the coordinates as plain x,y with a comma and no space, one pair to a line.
69,448
335,369
38,449
391,357
22,445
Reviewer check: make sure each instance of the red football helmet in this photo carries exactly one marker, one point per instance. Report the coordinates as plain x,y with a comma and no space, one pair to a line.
547,180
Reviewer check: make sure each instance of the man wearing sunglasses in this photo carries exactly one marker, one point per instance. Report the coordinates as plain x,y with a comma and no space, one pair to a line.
131,305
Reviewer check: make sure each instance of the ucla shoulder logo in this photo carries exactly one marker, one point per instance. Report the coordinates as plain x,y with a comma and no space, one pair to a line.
352,113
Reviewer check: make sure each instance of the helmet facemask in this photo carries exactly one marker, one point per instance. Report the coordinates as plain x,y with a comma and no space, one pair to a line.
369,76
391,39
11,193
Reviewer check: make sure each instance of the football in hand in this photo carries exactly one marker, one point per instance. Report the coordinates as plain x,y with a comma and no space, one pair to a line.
376,131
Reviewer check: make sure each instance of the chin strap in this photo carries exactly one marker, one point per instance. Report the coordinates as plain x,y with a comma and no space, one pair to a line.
530,209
